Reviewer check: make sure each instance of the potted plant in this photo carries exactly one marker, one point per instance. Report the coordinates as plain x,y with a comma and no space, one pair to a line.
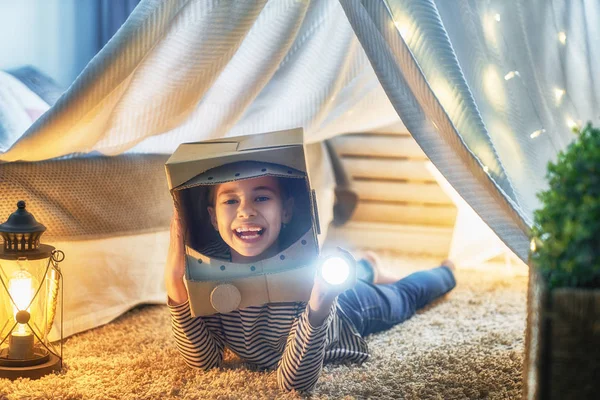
562,359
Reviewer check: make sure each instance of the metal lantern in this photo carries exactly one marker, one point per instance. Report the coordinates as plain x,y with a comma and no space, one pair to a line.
29,290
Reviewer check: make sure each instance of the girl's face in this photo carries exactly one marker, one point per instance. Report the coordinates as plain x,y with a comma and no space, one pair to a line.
248,215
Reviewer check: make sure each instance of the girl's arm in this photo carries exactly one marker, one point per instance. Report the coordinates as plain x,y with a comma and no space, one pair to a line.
302,360
199,347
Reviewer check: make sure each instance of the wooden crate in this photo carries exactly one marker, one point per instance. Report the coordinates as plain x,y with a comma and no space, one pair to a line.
405,213
378,146
387,168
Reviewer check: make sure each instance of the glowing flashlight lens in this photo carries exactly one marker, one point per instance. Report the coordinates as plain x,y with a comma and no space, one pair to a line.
335,270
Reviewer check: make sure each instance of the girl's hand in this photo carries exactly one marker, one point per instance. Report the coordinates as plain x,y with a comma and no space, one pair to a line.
323,294
175,266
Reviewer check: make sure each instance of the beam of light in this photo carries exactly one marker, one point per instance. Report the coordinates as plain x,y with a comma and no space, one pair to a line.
335,270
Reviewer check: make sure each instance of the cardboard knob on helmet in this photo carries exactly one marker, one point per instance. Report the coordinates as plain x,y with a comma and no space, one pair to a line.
225,298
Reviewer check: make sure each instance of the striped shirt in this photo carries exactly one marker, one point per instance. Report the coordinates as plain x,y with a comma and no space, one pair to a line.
272,336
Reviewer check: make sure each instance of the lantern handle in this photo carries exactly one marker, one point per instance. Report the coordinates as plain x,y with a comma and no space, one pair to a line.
58,256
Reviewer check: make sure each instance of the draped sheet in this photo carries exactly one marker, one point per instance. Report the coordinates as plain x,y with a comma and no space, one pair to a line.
186,70
490,91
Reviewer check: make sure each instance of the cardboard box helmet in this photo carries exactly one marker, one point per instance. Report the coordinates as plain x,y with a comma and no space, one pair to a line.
215,284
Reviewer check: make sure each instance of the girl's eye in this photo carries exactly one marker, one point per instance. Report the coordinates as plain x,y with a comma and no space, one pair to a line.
262,198
230,201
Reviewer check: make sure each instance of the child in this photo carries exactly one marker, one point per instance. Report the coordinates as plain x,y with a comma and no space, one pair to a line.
295,338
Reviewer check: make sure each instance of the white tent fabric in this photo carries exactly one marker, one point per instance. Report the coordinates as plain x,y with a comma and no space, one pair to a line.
473,241
488,89
186,70
483,87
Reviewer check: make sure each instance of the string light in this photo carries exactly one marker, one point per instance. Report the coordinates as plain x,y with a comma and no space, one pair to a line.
532,246
537,133
562,37
572,124
405,27
558,95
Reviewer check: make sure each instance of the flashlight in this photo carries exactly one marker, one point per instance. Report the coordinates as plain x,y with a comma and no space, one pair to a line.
336,269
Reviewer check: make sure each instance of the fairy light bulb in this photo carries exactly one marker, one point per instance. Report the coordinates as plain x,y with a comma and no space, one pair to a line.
562,37
497,17
404,26
558,95
511,75
486,169
403,29
572,124
537,133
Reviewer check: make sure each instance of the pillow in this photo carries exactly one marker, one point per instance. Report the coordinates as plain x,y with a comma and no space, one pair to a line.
40,84
19,108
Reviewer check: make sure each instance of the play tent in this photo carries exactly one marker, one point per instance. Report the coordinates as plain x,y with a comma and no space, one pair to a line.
490,90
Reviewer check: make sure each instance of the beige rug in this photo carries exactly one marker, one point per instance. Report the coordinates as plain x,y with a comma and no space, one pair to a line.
467,346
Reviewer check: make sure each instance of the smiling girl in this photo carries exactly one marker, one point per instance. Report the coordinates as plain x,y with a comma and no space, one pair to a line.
294,338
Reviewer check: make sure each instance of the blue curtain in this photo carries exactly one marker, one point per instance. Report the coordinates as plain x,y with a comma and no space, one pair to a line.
111,15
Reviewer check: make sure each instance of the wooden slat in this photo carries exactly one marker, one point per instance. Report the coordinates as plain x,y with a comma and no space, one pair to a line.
409,214
407,239
389,146
411,170
430,193
382,132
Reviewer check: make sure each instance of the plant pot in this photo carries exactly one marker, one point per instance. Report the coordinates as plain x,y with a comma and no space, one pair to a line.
562,342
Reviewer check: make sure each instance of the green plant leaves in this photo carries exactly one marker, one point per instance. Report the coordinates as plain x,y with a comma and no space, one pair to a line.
567,226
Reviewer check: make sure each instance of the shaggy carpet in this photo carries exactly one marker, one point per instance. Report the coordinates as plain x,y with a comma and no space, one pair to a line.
468,345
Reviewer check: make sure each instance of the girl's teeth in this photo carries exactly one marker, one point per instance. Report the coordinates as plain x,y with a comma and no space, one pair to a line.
249,234
240,230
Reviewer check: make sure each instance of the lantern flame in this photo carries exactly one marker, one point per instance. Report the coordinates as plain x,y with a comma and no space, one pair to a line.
21,290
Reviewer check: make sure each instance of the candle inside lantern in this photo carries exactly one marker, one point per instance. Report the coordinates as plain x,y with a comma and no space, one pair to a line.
21,289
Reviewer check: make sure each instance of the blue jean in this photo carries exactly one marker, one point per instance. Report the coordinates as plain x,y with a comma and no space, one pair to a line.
375,308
